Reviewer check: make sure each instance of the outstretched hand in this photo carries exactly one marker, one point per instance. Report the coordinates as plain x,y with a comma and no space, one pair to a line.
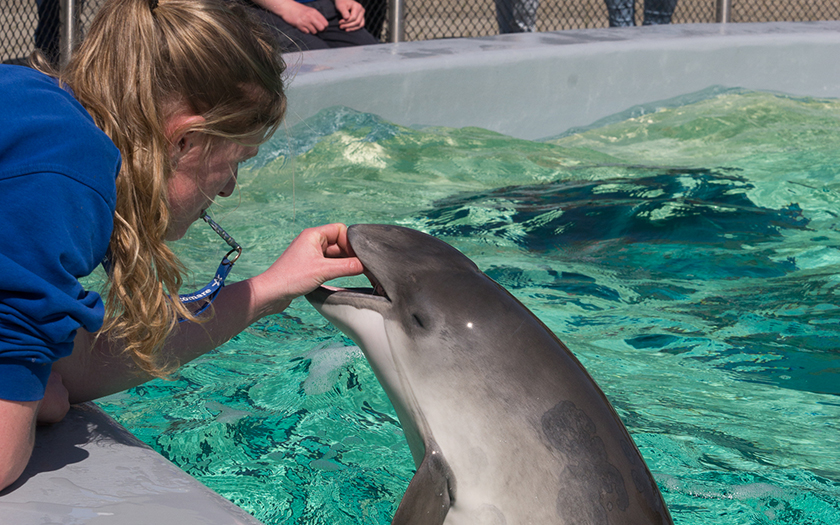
316,256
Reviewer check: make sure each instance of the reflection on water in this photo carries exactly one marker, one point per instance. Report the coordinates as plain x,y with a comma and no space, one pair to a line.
686,251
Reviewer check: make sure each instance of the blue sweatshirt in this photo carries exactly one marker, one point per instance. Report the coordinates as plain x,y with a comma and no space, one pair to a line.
57,201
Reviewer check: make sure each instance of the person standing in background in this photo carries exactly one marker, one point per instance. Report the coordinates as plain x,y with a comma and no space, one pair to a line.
517,16
622,13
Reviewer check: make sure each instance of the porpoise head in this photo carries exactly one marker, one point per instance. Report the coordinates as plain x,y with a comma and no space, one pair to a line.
411,273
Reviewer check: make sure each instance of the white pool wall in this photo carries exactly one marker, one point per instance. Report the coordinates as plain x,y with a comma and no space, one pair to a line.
535,85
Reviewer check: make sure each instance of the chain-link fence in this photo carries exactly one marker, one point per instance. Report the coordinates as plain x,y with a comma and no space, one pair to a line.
20,30
426,19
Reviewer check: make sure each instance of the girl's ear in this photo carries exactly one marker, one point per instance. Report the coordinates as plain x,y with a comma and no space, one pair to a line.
178,130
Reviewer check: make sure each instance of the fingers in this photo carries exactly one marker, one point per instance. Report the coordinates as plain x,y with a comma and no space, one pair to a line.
334,240
312,24
352,24
340,261
352,15
317,22
306,19
344,267
337,257
314,257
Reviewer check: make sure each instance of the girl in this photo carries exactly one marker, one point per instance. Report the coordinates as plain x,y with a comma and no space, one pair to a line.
108,160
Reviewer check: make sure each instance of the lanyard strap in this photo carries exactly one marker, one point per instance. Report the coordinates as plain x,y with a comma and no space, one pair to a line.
209,292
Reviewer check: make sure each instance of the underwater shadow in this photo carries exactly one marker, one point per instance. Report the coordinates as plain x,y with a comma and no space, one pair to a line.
662,205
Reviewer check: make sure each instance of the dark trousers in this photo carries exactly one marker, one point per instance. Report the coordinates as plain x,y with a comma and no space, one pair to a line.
48,31
292,39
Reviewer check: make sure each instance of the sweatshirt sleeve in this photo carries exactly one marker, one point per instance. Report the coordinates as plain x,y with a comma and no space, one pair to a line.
54,231
57,198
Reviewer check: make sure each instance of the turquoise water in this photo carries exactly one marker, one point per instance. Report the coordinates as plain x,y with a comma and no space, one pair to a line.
687,251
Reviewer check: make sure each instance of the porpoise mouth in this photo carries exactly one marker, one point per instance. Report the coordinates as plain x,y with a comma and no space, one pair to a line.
376,289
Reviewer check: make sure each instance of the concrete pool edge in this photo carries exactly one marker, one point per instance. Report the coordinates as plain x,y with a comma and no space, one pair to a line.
89,469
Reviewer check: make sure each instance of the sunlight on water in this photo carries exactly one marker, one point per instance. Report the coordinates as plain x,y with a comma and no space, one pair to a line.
686,251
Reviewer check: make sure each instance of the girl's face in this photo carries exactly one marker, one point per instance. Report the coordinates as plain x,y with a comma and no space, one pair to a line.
200,176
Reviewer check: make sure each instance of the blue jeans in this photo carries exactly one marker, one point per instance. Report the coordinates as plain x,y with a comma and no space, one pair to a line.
622,12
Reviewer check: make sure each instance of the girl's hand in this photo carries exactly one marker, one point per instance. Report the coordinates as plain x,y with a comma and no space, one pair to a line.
316,256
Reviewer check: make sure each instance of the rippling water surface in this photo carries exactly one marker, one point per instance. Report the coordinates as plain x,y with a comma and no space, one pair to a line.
687,252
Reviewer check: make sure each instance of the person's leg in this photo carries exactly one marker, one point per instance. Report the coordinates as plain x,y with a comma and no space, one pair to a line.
621,13
47,32
337,37
516,16
659,11
504,16
523,15
376,12
333,35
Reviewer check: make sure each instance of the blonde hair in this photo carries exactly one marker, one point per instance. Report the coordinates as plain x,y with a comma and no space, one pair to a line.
139,64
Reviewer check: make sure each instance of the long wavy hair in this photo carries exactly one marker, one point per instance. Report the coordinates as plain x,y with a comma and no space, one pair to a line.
140,63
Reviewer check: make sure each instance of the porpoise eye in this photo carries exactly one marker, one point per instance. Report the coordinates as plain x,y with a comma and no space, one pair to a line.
417,320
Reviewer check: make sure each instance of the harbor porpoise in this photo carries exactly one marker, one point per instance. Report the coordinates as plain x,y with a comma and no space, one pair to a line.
504,423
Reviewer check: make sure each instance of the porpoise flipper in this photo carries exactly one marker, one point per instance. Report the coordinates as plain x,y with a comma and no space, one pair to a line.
430,493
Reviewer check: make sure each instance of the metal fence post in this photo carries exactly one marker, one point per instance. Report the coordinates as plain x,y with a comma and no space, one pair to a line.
723,11
396,20
69,29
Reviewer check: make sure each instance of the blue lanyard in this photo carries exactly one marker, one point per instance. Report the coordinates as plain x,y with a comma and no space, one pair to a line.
209,292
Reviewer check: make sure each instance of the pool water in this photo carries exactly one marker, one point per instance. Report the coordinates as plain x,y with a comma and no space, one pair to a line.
687,251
